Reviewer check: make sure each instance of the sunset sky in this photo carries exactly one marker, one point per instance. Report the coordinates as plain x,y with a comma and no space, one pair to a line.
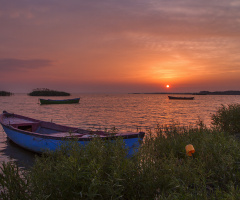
120,46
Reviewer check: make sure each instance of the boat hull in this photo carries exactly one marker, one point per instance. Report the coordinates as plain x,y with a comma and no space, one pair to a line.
32,143
180,98
64,101
51,140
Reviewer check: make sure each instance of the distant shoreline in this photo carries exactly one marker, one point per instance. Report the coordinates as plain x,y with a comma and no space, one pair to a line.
230,92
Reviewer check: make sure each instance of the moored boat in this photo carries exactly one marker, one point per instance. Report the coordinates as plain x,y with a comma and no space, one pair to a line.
57,101
39,136
181,98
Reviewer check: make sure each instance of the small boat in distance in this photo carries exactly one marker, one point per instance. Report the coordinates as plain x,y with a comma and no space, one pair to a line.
181,98
39,136
57,101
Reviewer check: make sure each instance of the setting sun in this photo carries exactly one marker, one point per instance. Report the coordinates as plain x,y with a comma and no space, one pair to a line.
167,86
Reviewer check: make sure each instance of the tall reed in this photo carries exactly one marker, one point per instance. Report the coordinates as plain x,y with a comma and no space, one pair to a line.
227,118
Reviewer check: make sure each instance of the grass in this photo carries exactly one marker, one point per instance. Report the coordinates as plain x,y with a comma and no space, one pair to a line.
160,169
227,118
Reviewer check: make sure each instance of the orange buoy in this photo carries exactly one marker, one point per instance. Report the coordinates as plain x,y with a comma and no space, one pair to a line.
189,149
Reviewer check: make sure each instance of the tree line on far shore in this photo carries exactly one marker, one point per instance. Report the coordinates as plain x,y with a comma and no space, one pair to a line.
48,92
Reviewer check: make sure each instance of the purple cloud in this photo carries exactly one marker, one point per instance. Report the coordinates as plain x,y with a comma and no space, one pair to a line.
10,64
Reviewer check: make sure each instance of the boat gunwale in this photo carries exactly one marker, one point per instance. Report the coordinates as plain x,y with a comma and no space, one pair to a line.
59,101
49,136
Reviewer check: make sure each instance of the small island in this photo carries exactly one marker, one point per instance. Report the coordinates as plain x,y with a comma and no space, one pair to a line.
47,92
4,93
229,92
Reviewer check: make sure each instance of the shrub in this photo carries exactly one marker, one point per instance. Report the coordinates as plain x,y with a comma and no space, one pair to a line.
159,170
13,182
227,118
96,171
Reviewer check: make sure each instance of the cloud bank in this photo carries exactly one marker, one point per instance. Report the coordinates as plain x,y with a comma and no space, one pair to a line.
12,64
139,42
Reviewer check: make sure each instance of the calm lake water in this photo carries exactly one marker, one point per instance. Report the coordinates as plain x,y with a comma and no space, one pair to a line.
105,111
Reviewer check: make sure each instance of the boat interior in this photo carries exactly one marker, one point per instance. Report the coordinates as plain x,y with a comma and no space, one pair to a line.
46,128
51,129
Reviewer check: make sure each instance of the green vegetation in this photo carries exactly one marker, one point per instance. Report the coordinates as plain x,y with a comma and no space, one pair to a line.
4,93
227,119
47,92
159,170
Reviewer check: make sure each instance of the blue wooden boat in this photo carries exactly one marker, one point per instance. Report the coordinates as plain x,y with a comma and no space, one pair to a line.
57,101
39,136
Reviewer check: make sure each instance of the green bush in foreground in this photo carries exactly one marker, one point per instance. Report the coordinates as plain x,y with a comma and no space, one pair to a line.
160,170
227,118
